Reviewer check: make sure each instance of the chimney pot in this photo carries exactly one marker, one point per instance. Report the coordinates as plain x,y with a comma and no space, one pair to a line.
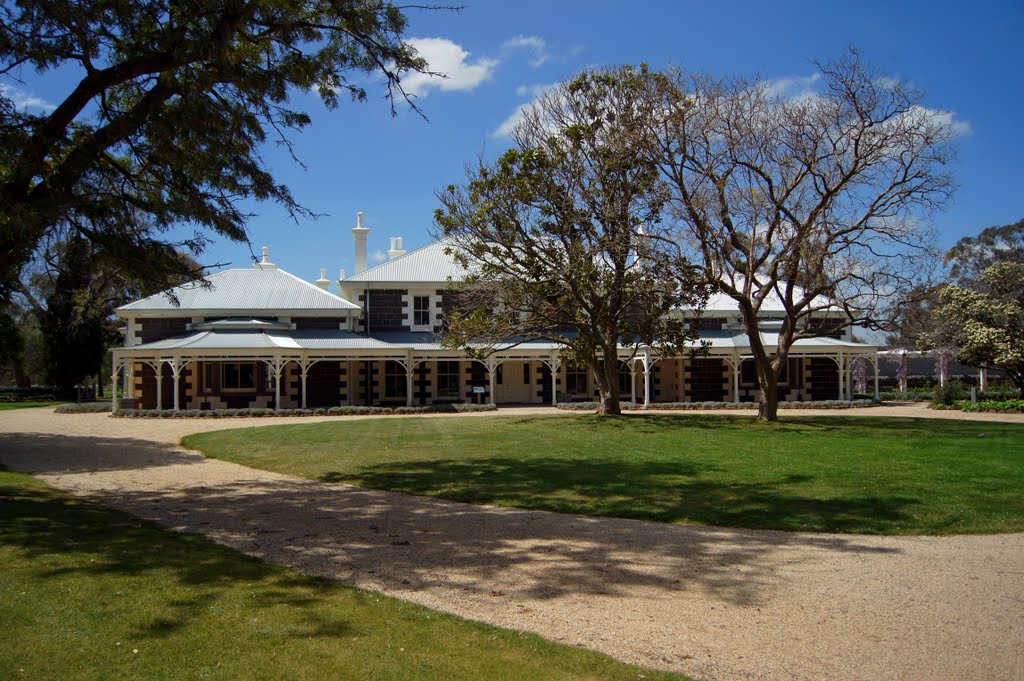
323,282
360,233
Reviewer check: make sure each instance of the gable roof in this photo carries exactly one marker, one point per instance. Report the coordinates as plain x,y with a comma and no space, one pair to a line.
426,264
253,289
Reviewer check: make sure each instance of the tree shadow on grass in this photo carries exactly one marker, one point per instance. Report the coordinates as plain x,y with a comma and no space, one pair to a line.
62,537
407,544
644,490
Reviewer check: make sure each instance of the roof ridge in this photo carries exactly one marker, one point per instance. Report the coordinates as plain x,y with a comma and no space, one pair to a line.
435,242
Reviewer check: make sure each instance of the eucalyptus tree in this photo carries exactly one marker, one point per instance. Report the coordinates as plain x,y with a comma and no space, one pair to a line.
812,203
563,236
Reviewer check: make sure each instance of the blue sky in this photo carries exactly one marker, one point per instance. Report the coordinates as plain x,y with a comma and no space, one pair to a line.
967,57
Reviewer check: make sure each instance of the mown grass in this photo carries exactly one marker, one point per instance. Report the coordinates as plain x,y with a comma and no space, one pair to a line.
7,406
90,593
821,473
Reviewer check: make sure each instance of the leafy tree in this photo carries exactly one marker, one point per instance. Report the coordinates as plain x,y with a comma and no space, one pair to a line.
985,325
564,236
172,103
973,255
75,328
811,203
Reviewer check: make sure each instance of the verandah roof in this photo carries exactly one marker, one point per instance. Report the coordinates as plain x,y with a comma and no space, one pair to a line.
226,341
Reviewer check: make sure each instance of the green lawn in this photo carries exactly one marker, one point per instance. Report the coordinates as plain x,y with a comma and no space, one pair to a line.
89,593
6,406
826,473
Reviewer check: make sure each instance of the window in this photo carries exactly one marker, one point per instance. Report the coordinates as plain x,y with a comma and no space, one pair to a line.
421,310
575,380
447,379
394,379
238,376
208,376
748,374
526,373
625,380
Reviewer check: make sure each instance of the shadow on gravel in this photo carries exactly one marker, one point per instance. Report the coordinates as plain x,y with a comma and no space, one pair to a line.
44,453
410,543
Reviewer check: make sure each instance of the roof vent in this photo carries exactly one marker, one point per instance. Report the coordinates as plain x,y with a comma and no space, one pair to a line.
396,248
323,282
265,264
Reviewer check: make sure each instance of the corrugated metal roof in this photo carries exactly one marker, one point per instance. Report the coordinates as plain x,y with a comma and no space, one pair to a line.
428,263
244,289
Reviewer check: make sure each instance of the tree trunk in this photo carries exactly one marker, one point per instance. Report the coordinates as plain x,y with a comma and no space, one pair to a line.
608,388
768,404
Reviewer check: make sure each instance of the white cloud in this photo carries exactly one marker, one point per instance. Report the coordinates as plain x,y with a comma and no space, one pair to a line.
796,87
448,58
25,100
532,43
534,91
378,256
944,119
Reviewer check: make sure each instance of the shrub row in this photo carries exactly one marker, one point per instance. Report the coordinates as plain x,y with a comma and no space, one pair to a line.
1004,406
8,398
666,406
83,408
321,411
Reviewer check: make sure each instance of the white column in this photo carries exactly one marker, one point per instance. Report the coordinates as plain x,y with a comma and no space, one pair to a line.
647,380
943,369
159,368
113,385
875,361
983,379
841,361
303,371
277,366
736,379
176,373
554,364
408,380
492,366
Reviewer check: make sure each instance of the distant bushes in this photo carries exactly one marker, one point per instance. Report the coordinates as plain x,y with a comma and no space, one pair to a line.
674,406
26,396
320,411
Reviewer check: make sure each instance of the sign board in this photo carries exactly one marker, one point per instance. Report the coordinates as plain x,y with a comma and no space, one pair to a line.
479,390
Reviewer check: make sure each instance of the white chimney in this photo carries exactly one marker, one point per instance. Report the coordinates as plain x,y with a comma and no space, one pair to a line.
265,264
360,233
341,278
396,247
323,282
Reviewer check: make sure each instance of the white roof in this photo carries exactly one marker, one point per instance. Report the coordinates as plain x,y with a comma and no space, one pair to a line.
427,264
250,290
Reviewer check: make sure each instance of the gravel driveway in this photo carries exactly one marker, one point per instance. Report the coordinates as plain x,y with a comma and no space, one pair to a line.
710,602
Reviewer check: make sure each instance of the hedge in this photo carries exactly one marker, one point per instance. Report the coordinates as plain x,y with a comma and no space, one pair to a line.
1002,406
320,411
83,408
666,406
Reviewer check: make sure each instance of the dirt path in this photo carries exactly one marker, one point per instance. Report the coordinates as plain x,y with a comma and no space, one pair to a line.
710,602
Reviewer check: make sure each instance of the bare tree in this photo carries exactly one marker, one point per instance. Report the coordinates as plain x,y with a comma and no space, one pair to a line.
564,236
814,202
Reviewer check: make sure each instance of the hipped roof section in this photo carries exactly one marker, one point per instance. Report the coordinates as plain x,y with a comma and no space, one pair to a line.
255,289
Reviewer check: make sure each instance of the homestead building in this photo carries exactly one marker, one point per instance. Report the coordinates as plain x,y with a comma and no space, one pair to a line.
261,337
